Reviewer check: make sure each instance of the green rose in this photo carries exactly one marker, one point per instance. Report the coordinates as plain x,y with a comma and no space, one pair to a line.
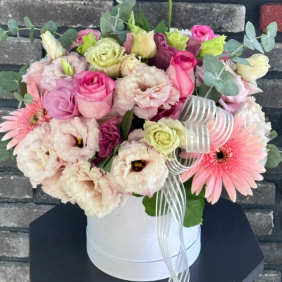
165,135
88,41
213,47
177,40
105,56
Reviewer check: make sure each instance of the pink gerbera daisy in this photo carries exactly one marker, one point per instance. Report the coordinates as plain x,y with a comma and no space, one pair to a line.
234,165
21,122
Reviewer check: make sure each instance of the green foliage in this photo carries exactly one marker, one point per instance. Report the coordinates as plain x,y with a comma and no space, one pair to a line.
161,27
250,30
213,94
31,28
240,60
188,189
106,165
4,153
13,26
273,134
49,26
150,204
9,80
248,42
137,195
194,212
141,20
267,42
68,37
3,35
126,124
22,71
28,99
271,29
274,156
233,47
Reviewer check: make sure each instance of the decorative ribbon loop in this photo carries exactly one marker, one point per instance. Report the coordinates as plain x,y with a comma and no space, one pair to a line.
206,125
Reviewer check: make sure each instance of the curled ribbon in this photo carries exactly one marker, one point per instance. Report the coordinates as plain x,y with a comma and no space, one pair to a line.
206,125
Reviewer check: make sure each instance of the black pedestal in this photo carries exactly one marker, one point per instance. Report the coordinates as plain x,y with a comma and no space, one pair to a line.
230,252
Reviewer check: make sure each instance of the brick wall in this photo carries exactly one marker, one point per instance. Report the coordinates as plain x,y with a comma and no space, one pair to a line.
20,204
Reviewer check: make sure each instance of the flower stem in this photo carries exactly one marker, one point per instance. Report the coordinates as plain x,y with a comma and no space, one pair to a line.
169,14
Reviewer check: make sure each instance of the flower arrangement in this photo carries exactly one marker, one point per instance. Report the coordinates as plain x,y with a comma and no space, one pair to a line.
101,120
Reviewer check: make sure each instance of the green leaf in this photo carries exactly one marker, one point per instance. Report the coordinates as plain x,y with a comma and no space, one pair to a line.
31,34
126,124
49,26
4,153
9,80
27,22
3,91
137,195
194,212
3,35
233,47
267,42
212,64
115,152
13,26
130,3
248,43
271,29
20,104
211,80
121,12
150,205
250,30
223,55
141,20
31,28
274,156
18,96
273,134
106,165
69,37
228,86
108,24
257,46
22,71
240,61
161,28
213,93
131,21
188,189
28,99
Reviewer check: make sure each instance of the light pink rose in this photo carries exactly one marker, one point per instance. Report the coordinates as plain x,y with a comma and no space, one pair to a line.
148,88
128,43
37,158
34,72
75,139
79,40
148,179
181,72
54,71
94,92
94,190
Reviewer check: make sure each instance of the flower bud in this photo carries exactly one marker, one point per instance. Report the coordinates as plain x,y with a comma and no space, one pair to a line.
259,68
177,40
144,44
213,47
68,69
128,64
52,46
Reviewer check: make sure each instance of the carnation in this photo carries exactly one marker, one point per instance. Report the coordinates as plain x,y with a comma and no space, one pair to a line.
148,88
139,168
93,189
75,139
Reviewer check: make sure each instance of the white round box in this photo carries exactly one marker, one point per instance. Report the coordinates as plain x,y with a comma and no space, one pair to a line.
124,244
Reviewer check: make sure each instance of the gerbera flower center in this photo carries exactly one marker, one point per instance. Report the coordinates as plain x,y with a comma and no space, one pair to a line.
34,119
138,165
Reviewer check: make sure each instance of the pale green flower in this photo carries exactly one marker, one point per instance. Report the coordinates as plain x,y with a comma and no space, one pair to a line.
105,56
52,46
177,40
213,47
88,41
165,135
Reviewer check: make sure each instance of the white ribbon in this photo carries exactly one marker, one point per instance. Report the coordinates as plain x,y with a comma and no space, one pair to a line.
206,125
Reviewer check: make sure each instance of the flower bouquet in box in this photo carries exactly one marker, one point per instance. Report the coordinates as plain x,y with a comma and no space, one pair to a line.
137,126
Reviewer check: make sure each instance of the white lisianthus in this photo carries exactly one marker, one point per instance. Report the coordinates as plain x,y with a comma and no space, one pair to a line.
259,68
185,32
106,56
52,46
128,64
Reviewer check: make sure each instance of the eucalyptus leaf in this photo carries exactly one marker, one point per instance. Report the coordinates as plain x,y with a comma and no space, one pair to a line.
248,43
9,80
4,153
18,96
250,30
273,134
126,124
32,34
13,26
211,80
257,46
223,55
194,212
3,91
212,64
20,104
213,93
274,156
28,99
228,86
28,23
240,61
22,71
142,21
271,29
3,35
233,47
121,12
69,37
108,24
49,26
267,42
161,28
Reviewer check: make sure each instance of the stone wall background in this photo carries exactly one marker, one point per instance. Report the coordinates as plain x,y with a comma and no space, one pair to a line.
20,204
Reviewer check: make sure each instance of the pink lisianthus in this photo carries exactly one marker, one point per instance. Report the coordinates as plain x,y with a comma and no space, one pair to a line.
181,72
75,139
200,33
94,92
148,88
149,174
128,43
79,40
94,190
164,52
35,72
37,158
61,102
54,71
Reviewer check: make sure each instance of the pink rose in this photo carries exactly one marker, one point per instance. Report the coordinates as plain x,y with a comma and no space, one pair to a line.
181,72
94,92
128,43
79,40
200,33
61,102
